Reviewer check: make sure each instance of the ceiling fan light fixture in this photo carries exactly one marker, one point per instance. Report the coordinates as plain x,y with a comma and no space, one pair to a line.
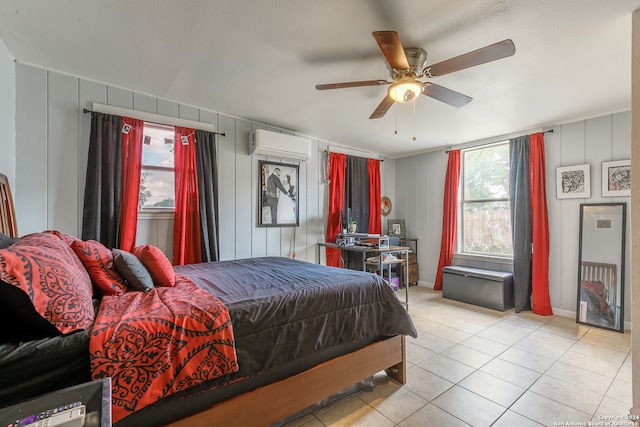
407,65
404,91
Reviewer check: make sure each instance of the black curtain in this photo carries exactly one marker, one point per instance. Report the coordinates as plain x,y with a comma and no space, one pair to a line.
207,173
102,193
356,197
356,194
520,204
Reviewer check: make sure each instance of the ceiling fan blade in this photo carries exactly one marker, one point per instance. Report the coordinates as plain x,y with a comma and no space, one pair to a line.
351,84
480,56
392,49
445,95
382,108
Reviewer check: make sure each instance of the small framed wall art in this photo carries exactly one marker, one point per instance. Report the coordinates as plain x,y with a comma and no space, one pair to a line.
395,228
573,182
385,205
616,178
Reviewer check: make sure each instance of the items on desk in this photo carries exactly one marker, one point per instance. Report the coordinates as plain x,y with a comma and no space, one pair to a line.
363,239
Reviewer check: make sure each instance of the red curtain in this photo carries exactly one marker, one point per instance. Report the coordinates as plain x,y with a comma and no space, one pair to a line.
186,226
131,161
337,168
449,215
375,223
539,227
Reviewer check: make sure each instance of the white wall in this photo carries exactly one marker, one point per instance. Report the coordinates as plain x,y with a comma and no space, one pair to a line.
419,195
420,186
51,157
8,116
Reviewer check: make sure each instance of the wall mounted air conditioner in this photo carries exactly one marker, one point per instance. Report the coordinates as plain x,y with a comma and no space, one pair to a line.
274,144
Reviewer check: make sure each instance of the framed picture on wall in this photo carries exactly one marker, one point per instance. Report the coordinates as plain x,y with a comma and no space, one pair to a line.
616,178
278,205
573,182
395,228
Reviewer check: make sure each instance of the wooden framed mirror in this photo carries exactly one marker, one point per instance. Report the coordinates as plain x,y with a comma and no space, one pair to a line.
601,265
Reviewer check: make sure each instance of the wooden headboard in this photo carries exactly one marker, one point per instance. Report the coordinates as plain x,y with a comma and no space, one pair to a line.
8,224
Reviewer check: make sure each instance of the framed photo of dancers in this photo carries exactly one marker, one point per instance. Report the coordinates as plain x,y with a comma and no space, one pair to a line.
278,205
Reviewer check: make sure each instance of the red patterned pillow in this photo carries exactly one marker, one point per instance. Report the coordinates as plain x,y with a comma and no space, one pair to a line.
98,261
49,272
157,263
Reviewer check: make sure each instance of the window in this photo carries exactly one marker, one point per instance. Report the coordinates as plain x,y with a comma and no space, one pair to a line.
485,213
157,182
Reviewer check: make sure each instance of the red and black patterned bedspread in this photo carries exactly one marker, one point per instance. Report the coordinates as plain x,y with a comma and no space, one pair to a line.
157,343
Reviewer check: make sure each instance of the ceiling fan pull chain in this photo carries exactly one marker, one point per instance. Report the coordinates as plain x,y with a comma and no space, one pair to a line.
395,110
414,119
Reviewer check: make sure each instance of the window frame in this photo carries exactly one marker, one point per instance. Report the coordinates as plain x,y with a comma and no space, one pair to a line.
157,212
462,201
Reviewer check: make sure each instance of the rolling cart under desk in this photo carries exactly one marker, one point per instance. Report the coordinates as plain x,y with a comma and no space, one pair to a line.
371,251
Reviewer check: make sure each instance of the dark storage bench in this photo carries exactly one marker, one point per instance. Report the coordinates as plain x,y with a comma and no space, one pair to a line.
486,288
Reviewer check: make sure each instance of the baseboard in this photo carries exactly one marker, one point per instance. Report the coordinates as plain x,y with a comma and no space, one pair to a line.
425,284
572,315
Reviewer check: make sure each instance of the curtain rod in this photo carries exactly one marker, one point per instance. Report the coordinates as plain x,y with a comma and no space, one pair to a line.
156,119
354,155
489,143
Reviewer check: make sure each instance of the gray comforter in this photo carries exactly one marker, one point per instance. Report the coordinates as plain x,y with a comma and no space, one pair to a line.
283,309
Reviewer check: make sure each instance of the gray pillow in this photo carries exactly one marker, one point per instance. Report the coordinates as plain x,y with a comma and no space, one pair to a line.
6,241
132,270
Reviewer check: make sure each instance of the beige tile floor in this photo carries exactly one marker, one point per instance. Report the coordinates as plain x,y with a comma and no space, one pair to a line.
472,366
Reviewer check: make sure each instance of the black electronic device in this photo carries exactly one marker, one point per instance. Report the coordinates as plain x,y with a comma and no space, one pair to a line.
345,218
70,415
82,405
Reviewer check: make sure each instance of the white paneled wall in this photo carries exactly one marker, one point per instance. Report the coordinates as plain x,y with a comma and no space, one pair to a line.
52,139
8,115
419,196
420,186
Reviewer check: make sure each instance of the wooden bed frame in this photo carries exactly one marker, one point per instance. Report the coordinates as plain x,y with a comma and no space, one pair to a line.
269,404
8,224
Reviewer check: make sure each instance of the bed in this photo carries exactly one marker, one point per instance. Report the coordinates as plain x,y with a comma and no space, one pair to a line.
300,333
598,295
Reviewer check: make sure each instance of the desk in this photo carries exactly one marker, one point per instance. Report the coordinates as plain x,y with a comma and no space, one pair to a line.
365,250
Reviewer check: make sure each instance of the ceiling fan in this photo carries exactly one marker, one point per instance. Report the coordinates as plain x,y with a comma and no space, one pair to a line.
407,65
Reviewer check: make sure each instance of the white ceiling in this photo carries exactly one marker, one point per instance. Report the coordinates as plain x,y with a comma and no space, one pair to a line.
260,60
